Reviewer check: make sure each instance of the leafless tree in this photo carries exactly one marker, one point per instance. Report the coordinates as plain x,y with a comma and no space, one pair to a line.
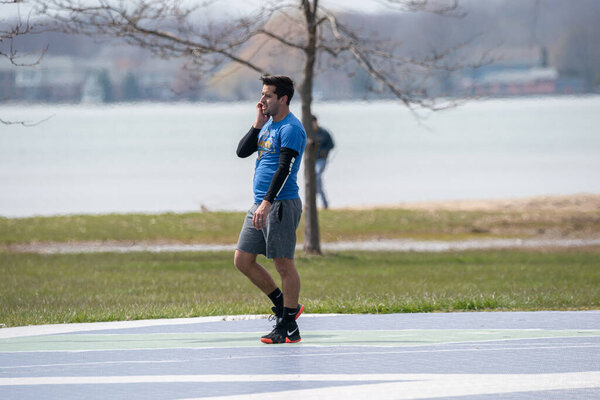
306,28
9,31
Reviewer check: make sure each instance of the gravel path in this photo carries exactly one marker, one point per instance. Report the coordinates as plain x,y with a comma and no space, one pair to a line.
375,245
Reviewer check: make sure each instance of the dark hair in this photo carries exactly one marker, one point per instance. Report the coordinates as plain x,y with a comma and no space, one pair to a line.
284,86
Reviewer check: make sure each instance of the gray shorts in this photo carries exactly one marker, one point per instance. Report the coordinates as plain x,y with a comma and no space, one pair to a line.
278,238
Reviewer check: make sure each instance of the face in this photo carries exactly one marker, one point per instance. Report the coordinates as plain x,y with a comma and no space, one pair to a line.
270,101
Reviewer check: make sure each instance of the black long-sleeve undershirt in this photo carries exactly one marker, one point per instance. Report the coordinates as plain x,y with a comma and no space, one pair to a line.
287,157
249,144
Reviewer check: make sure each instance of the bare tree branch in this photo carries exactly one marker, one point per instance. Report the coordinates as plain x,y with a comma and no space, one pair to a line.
347,41
161,27
281,39
25,123
10,30
301,29
166,29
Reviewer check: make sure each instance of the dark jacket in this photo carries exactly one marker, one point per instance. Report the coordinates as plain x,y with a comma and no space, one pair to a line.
325,143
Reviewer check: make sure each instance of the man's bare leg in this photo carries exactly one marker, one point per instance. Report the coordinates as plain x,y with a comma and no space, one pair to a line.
290,281
286,330
246,263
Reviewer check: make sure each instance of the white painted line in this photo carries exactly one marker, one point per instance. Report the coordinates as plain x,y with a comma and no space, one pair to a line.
380,386
430,386
37,330
322,354
567,380
388,352
366,352
316,347
85,364
84,380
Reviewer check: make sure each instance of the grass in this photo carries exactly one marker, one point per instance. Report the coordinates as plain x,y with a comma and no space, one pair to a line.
41,289
335,225
218,227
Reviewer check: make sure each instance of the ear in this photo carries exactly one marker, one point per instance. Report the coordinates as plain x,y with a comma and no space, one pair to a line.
283,99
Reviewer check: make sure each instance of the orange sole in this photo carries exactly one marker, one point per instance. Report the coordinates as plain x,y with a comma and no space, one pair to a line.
287,340
300,311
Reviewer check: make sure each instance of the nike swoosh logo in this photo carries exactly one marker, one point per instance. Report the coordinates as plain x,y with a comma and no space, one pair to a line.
292,332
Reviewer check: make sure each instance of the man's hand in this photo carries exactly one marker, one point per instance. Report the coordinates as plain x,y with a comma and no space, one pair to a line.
259,220
261,118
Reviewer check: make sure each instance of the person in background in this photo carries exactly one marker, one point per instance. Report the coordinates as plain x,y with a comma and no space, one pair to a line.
324,146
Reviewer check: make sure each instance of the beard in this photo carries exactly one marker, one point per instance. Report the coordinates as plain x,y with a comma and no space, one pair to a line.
271,111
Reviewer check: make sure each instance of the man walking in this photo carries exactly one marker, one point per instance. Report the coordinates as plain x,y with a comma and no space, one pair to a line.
325,145
270,224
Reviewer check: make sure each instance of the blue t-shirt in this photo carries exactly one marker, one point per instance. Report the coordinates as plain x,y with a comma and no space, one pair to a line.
289,133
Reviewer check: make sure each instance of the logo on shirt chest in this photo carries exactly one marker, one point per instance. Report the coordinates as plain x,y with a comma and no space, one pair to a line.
265,145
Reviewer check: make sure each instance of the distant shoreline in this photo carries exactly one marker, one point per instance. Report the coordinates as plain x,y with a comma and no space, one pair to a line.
571,202
244,104
584,202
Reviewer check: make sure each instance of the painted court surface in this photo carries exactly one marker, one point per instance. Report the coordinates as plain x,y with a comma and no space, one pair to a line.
512,355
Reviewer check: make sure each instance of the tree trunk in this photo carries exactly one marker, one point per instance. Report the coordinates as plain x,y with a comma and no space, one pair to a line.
312,244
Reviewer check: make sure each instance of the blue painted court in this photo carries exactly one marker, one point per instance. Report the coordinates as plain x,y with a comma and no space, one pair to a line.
496,355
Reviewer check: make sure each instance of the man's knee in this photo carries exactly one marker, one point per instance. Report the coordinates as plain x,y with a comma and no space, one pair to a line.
243,261
284,266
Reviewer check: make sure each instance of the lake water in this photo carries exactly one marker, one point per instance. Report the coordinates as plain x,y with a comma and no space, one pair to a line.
181,157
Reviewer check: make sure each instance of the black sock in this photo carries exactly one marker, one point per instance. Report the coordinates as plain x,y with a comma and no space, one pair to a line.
277,298
289,314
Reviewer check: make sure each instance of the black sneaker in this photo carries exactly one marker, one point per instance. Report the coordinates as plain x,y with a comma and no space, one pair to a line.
278,312
283,333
